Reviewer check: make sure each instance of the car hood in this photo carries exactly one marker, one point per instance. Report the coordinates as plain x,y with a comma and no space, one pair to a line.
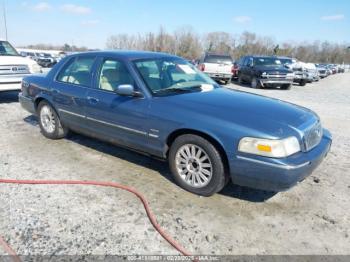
273,69
227,107
16,60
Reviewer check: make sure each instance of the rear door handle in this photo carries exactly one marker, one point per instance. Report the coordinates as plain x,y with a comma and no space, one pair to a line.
92,100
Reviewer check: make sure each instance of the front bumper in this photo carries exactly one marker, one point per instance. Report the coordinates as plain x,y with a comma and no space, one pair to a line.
10,86
281,81
220,76
278,174
11,82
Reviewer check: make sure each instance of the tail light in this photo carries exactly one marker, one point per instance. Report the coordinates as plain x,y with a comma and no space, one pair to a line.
233,69
202,67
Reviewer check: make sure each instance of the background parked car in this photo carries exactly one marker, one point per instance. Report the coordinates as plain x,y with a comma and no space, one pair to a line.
13,67
300,74
263,71
322,71
312,72
218,67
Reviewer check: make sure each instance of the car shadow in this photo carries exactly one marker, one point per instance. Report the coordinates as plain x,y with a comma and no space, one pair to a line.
159,166
9,97
245,193
32,120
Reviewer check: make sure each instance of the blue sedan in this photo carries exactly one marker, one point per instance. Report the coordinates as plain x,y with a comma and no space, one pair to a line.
162,106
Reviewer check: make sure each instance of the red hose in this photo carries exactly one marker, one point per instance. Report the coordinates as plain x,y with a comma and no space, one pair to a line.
150,215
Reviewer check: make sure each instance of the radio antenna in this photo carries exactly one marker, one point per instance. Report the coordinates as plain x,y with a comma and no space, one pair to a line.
5,22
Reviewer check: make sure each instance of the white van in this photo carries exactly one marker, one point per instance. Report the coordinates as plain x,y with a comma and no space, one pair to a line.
13,67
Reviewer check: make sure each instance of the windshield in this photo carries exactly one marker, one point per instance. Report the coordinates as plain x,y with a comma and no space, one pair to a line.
7,49
267,61
218,59
165,76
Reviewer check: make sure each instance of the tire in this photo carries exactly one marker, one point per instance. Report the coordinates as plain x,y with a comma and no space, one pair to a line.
239,79
255,83
302,83
49,122
286,86
189,156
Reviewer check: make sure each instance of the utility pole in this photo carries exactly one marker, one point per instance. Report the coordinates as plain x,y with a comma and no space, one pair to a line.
5,22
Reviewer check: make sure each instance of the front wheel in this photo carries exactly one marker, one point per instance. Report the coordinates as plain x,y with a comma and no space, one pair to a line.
255,83
49,122
197,165
286,86
302,83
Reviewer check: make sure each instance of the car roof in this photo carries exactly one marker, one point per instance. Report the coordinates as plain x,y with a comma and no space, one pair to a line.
126,54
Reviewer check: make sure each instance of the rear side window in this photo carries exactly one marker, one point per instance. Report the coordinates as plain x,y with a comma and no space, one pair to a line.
77,71
218,59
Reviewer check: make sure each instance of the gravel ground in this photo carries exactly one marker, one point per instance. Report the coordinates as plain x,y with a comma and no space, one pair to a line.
311,218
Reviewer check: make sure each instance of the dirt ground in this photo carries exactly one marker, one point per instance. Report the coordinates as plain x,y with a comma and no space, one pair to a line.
311,218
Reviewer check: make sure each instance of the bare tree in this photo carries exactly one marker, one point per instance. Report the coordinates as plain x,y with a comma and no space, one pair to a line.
186,43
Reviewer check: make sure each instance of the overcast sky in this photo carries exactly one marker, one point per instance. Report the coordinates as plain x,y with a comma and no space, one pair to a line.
91,22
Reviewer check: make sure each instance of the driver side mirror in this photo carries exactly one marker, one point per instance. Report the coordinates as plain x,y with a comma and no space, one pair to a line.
127,90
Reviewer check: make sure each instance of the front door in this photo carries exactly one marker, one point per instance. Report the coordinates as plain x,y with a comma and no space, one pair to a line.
122,119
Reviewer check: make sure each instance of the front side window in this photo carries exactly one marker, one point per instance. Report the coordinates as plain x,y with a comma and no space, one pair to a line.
114,73
77,71
7,49
172,75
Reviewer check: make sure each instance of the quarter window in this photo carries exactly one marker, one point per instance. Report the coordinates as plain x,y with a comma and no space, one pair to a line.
77,71
114,73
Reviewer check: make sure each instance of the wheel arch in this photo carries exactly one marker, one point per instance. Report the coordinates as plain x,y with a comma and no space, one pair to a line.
187,131
39,99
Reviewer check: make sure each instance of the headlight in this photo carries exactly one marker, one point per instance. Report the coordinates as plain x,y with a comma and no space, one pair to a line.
290,75
269,147
35,69
264,74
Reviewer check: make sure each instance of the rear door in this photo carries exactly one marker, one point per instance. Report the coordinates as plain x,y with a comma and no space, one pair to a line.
122,119
70,88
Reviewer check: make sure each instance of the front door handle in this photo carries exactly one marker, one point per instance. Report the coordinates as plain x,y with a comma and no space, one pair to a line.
92,100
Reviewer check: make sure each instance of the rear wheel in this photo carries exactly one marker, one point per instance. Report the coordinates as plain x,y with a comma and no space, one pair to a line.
49,122
197,165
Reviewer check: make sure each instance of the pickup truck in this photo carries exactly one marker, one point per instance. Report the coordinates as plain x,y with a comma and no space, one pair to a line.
218,67
13,67
265,71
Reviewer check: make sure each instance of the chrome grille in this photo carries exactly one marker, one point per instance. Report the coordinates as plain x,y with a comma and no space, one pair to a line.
14,69
312,136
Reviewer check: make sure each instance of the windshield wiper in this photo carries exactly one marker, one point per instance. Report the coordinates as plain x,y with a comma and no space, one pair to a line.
180,89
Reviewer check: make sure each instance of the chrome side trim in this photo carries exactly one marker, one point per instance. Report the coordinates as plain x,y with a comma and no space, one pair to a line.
71,113
118,126
287,167
154,136
106,123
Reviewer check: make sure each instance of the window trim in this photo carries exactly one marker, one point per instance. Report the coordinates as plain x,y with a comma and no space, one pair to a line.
102,60
73,59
